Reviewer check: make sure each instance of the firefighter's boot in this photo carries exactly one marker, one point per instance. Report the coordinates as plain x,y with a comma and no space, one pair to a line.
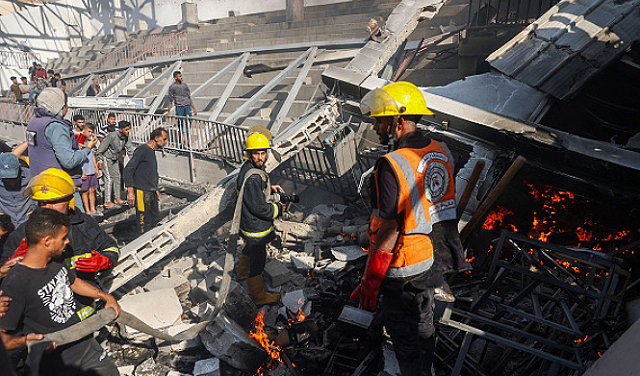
257,289
243,267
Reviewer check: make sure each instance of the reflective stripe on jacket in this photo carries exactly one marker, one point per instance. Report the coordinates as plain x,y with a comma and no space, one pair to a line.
426,189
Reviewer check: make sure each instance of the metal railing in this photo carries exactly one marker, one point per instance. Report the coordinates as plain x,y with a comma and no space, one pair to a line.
17,113
484,13
18,59
200,137
212,140
140,49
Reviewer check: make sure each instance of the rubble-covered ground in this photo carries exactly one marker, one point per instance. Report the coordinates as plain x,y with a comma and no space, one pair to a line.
314,263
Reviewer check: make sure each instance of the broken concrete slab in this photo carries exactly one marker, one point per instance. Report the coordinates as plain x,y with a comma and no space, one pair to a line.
348,252
207,367
226,340
158,309
302,263
161,282
183,345
276,273
335,267
203,310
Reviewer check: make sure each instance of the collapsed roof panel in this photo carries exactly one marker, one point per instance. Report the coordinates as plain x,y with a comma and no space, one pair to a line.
574,40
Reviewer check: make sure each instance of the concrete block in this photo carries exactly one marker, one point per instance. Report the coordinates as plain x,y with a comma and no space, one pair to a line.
276,273
189,16
142,25
203,310
183,345
119,28
303,263
207,367
161,282
126,370
226,340
295,10
335,266
348,252
158,309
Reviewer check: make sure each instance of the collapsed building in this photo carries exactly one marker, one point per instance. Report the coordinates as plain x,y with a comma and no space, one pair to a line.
542,125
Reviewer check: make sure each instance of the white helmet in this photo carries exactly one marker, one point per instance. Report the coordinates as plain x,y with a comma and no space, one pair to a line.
52,99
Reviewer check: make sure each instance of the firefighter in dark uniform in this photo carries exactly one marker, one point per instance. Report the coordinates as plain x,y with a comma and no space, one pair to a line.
258,212
90,249
413,231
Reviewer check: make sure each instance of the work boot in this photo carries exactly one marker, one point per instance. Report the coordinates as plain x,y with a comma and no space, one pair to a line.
243,268
257,289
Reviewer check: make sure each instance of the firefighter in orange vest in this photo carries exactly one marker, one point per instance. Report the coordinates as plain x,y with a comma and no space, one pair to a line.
414,216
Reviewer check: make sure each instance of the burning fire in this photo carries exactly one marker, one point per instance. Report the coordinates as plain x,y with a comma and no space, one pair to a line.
260,335
557,212
496,219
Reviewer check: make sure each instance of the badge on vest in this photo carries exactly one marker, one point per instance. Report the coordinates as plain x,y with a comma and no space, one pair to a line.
31,138
436,181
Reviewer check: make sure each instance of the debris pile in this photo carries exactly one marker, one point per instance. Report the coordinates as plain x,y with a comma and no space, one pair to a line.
528,305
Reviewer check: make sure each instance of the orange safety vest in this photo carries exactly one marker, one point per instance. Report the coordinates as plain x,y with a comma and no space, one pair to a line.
426,196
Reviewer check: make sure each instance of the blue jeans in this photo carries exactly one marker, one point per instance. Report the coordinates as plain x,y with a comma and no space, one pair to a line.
32,94
183,124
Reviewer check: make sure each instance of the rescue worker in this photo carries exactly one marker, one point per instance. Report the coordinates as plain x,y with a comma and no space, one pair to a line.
90,248
414,215
258,213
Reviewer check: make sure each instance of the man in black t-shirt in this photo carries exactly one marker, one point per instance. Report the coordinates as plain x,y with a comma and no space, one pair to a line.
141,180
42,291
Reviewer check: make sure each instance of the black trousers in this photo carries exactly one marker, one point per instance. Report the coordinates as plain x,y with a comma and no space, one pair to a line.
147,212
407,312
256,249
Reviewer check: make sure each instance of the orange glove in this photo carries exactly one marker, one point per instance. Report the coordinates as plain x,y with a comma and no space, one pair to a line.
377,264
94,263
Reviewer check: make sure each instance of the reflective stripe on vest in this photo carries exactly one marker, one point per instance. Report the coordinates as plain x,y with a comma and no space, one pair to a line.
260,234
423,226
411,270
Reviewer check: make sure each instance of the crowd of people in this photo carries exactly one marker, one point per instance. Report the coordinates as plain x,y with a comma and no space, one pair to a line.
53,247
29,88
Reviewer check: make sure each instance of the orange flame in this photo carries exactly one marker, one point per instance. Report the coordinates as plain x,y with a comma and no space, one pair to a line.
496,219
259,335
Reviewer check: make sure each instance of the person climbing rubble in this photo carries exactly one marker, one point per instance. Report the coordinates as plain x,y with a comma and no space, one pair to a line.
258,213
90,249
413,232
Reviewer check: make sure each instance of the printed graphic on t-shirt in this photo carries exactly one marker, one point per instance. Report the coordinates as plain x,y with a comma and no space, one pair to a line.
57,296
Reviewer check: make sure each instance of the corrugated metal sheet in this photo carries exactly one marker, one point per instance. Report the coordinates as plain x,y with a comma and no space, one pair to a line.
564,48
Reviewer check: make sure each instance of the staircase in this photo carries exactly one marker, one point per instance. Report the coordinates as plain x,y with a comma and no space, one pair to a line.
342,21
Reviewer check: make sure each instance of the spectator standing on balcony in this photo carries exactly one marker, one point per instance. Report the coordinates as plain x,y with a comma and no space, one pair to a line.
25,88
32,70
109,152
180,95
51,79
141,179
15,90
59,82
40,72
38,85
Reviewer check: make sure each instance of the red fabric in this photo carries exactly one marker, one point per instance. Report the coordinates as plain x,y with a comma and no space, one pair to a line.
94,263
377,264
81,138
21,250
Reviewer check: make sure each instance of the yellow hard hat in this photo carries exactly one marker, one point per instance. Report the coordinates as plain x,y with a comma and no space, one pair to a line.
398,98
257,141
50,185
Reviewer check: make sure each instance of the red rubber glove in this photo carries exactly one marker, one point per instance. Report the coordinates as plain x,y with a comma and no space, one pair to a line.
21,250
94,263
377,264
